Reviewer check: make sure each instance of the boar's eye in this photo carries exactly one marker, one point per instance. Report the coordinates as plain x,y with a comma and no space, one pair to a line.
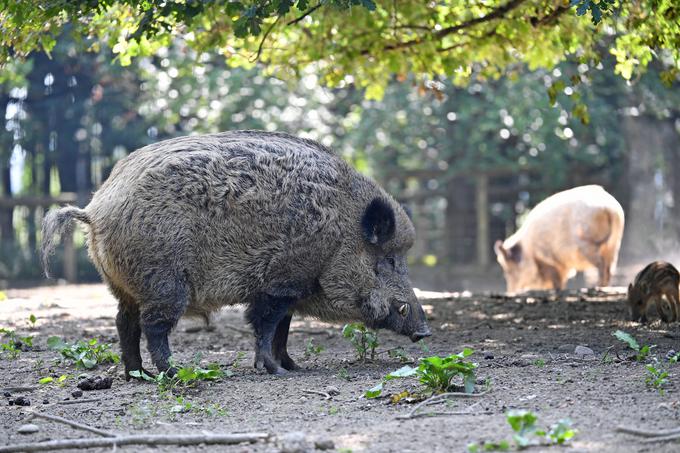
391,262
403,310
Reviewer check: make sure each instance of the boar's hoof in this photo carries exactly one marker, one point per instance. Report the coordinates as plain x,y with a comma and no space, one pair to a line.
288,364
267,362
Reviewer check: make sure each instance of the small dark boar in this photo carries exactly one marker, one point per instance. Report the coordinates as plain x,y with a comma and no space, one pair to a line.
658,283
274,222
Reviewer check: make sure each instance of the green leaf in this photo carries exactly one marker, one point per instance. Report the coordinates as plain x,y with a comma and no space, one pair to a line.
628,339
374,392
46,380
405,371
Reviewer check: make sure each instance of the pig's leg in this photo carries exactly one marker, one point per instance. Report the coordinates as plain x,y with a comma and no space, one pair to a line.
159,315
279,345
264,314
663,308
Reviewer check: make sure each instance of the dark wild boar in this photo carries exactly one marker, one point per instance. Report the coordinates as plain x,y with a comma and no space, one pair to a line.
570,231
274,222
659,284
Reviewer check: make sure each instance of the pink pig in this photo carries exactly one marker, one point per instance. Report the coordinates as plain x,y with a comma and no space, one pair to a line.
569,231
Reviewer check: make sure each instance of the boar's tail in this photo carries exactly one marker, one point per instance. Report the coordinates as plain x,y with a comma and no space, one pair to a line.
58,221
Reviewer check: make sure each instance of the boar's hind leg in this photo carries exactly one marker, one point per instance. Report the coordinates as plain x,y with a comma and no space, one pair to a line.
264,314
129,332
158,316
279,345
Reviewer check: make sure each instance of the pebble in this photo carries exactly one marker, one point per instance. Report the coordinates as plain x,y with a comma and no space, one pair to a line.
566,348
488,356
332,390
46,401
77,393
324,444
7,394
583,351
294,442
28,428
20,401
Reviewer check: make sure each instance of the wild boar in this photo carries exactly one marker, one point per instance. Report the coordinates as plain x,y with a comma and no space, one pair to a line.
658,283
277,223
570,231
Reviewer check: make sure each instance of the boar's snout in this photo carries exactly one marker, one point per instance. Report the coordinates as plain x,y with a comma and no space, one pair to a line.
424,333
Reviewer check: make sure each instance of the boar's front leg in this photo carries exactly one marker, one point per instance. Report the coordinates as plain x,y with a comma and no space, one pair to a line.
265,314
279,345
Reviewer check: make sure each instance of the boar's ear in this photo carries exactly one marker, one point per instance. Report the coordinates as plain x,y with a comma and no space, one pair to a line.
377,223
407,210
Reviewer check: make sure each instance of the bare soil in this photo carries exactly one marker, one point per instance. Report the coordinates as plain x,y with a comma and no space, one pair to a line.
524,346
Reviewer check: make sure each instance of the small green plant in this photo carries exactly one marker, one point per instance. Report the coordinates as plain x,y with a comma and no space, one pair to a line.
641,352
185,377
559,433
32,319
525,433
539,363
523,423
423,346
656,378
343,374
237,361
15,344
84,354
365,341
436,373
400,354
61,380
312,349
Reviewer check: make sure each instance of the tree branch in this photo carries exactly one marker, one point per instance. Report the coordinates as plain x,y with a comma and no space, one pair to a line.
307,13
495,14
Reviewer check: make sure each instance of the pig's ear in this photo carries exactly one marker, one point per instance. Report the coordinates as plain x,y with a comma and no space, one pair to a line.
498,248
630,288
377,223
515,253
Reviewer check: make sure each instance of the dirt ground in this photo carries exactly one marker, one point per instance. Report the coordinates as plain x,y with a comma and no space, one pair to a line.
525,347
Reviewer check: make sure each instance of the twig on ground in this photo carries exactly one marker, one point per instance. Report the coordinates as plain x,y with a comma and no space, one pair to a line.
646,433
238,329
78,401
71,423
649,440
17,389
326,396
439,399
143,439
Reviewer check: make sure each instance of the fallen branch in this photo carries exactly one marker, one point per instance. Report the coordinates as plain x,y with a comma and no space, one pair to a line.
143,439
71,423
437,399
650,440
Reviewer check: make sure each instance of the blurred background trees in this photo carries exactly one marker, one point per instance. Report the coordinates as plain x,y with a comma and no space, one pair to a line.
469,149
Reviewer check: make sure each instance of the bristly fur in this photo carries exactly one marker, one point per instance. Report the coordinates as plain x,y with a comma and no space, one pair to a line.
188,225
